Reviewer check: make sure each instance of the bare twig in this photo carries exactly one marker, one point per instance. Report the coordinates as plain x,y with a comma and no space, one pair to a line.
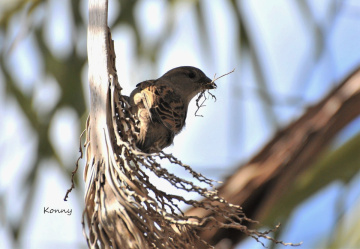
215,79
202,94
75,170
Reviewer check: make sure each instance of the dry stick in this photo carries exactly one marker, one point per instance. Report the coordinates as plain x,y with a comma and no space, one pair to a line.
202,94
215,79
75,170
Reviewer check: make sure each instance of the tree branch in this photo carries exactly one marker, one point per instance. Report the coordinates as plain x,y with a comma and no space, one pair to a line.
258,184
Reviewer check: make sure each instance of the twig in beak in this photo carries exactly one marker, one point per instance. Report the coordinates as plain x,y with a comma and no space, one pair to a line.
202,94
215,79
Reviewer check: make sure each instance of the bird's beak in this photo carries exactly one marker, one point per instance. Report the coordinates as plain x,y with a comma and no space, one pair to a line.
209,84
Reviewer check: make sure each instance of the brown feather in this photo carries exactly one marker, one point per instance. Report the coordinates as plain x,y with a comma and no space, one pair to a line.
161,106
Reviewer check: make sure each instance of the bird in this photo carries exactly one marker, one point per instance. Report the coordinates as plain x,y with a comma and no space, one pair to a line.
161,105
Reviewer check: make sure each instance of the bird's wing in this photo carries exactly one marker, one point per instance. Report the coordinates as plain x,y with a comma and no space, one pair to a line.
143,95
164,104
170,108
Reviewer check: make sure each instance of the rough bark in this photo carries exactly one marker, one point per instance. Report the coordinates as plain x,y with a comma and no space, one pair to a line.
258,184
101,225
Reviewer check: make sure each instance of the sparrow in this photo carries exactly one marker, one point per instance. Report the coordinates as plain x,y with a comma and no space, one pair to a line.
161,105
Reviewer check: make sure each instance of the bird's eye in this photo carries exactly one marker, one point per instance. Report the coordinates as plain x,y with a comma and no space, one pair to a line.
192,75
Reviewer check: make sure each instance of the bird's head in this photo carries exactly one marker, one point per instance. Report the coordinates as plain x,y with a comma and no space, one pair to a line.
189,80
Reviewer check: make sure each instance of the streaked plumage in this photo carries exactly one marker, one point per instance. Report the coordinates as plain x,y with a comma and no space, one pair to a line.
161,105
